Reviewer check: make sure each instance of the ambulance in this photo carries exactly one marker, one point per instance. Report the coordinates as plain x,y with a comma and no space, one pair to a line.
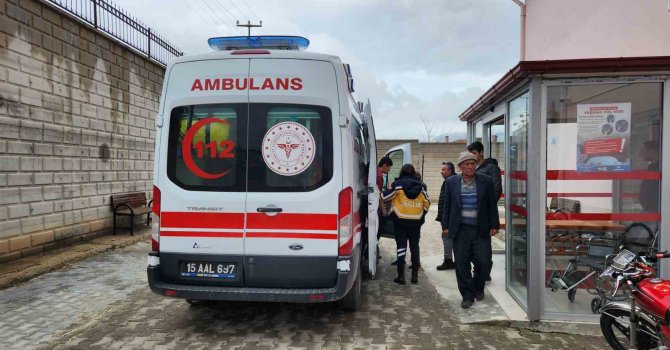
264,177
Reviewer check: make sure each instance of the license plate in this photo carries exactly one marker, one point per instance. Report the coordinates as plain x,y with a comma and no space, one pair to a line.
208,270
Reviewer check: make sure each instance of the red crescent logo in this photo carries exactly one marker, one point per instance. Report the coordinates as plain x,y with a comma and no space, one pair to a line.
186,149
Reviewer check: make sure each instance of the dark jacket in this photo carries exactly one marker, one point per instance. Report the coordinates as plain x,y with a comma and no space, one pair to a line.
490,167
487,206
409,201
440,199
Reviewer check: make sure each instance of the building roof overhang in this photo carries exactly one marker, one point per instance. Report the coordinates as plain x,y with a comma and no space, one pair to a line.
527,69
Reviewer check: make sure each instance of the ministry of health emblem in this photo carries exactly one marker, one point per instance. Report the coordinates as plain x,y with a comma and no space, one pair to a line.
288,148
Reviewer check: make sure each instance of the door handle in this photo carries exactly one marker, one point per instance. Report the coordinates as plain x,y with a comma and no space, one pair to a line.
269,210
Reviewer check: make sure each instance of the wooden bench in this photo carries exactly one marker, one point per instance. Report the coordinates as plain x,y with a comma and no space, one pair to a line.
131,204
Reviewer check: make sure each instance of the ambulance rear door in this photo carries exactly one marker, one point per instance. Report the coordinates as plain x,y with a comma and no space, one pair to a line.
202,177
373,195
291,234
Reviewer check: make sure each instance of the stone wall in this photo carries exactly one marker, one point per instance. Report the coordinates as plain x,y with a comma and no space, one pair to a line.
76,125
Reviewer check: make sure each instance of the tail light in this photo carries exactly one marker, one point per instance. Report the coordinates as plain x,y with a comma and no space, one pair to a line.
156,220
345,227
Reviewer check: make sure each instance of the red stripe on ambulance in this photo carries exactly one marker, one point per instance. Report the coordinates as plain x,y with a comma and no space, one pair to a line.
201,234
202,220
291,235
292,221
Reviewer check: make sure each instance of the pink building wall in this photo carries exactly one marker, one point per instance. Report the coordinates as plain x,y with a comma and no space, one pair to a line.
574,29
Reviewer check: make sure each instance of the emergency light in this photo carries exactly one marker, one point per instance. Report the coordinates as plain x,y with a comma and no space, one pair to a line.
270,42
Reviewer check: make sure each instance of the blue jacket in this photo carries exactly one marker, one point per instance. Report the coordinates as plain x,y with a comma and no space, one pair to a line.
487,206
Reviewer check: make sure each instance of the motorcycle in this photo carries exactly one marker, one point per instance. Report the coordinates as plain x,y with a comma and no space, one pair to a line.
642,322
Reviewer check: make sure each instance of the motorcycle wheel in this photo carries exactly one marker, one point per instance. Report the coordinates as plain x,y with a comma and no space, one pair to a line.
614,324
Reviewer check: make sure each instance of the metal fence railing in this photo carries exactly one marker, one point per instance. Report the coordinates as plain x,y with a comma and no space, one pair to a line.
110,19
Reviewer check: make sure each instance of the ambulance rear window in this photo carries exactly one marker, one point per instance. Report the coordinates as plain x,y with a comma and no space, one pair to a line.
290,147
203,147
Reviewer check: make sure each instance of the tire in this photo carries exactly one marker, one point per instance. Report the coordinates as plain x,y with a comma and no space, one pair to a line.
571,294
352,300
614,326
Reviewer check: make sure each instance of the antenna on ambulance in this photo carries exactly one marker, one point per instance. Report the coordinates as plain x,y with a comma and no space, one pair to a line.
249,25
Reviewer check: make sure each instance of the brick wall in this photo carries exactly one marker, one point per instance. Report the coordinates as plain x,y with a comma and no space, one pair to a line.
431,155
76,125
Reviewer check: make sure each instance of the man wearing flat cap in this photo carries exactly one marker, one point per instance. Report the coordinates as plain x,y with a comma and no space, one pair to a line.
470,218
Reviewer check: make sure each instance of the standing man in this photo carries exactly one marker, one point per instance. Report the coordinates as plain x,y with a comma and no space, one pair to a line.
470,218
447,170
488,166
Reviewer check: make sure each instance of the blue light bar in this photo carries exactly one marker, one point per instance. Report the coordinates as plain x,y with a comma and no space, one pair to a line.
271,42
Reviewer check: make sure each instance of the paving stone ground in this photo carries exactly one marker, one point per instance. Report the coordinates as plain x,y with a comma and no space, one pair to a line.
105,303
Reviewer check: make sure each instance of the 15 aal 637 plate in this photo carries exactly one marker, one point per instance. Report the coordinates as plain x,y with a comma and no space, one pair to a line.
199,269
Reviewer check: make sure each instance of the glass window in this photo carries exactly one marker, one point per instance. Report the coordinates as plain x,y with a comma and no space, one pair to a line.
290,147
205,151
517,230
603,184
397,159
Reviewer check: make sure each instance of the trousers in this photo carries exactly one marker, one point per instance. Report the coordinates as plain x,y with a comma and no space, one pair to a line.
404,233
471,249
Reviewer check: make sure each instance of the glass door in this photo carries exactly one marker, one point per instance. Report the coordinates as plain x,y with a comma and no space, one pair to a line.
516,223
495,148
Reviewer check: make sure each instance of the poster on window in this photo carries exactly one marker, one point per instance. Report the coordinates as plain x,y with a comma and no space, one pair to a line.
603,137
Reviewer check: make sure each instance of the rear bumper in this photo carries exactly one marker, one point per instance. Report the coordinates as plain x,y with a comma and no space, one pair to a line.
293,295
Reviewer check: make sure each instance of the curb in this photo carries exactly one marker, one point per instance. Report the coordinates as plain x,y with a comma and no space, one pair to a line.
25,269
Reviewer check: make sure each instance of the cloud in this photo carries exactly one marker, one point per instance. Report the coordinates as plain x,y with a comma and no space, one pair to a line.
412,58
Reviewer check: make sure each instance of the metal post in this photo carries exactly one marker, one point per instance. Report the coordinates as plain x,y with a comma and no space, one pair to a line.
536,194
95,13
149,42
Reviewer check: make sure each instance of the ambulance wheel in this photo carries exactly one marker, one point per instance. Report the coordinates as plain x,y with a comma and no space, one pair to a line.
352,300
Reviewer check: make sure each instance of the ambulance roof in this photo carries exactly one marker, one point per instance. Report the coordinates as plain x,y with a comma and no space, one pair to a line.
266,54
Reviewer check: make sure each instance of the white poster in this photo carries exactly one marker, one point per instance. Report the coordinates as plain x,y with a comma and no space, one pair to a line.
603,137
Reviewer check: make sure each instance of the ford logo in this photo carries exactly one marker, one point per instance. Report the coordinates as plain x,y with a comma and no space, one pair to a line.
295,246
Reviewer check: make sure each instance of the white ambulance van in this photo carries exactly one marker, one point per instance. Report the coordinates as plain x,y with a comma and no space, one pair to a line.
262,178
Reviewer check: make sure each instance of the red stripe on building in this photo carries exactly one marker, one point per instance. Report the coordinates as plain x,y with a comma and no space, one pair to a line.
605,216
201,234
592,195
574,175
287,221
291,235
202,220
628,175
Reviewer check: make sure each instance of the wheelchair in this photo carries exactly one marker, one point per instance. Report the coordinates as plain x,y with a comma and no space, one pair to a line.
592,258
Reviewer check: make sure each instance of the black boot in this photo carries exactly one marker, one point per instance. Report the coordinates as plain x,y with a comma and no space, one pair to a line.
401,274
448,264
415,275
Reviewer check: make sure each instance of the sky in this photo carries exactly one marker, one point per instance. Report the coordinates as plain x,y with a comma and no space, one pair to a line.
416,60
